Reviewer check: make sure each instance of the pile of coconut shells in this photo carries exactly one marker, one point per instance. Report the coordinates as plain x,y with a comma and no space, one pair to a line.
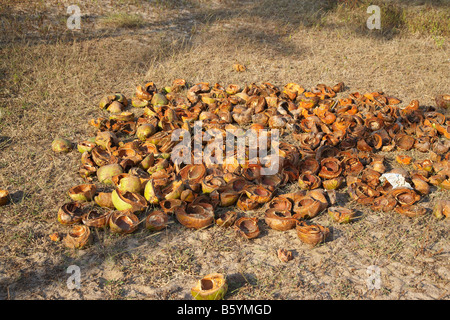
330,142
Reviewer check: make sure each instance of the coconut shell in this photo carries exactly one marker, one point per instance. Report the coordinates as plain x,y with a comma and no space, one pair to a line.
195,216
156,220
78,237
4,197
210,287
247,227
312,234
123,222
280,220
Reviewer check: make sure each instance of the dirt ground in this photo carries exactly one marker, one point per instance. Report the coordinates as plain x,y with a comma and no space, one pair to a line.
52,79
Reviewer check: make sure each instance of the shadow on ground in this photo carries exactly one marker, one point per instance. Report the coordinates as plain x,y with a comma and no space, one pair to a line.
281,18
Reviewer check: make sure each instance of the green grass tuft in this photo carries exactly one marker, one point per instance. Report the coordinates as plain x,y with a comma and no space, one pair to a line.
123,20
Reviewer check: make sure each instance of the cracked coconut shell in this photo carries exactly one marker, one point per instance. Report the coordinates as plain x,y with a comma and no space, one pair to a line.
211,287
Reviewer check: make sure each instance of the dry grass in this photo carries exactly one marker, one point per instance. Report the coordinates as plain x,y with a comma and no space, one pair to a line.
122,20
51,80
397,17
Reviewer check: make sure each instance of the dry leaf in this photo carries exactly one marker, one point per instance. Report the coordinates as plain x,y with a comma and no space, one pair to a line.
284,255
239,67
